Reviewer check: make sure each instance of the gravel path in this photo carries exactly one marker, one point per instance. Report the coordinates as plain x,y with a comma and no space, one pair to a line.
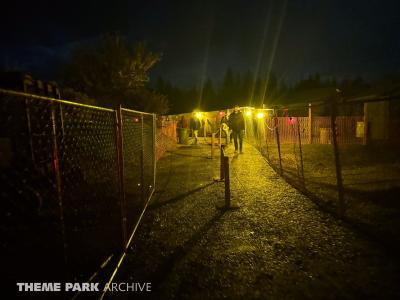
277,245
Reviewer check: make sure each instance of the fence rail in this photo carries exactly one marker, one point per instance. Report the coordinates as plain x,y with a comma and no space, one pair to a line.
75,181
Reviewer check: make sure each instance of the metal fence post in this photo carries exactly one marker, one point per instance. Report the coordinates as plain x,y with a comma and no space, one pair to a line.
301,152
212,144
154,149
57,175
265,125
142,161
338,166
309,124
258,135
29,129
279,144
120,170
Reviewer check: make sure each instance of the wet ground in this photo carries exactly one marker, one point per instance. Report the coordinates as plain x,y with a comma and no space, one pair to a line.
277,245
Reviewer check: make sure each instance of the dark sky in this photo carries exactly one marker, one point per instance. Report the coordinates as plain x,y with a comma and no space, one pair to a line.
202,38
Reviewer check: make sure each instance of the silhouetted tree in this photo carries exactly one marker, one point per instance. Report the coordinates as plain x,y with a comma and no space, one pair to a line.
111,71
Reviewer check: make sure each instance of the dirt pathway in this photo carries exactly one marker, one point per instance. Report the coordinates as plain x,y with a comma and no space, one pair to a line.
278,245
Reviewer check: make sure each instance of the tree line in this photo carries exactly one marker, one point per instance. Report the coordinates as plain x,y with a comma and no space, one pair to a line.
111,72
245,89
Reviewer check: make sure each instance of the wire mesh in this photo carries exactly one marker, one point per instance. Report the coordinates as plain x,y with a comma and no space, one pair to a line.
344,154
300,145
89,185
166,137
138,135
30,215
371,169
148,155
299,149
66,185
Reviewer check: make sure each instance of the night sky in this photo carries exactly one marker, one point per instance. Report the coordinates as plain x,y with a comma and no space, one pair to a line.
202,39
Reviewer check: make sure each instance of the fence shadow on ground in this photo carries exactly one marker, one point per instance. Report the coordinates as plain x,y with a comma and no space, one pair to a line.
178,197
179,253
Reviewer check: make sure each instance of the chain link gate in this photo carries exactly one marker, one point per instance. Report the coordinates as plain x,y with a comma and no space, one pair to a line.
75,180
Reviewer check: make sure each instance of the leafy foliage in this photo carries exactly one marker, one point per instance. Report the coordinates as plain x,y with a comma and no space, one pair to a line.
114,73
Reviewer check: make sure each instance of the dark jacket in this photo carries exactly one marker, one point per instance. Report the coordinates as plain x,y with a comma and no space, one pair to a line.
195,123
236,121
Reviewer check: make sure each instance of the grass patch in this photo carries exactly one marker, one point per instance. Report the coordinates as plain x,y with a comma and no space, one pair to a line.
371,179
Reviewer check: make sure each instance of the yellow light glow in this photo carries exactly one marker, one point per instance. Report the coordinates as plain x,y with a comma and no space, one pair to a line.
198,115
248,113
260,115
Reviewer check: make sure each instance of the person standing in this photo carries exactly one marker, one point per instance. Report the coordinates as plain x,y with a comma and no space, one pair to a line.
195,126
236,123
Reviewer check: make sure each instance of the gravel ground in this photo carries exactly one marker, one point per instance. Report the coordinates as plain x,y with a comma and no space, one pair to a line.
277,245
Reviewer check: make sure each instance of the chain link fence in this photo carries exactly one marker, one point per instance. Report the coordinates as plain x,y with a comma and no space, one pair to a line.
343,154
166,137
74,181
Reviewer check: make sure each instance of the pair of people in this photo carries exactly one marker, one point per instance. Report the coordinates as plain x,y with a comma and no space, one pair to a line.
236,124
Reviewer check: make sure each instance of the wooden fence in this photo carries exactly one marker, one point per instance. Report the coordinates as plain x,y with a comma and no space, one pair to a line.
318,133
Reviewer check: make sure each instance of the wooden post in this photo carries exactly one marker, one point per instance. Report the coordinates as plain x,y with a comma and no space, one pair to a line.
227,183
310,124
222,170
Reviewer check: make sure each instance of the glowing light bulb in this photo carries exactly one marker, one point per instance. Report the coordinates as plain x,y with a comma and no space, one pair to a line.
260,115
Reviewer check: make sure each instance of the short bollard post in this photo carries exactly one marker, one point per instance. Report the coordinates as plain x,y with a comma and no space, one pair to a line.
227,182
221,174
221,167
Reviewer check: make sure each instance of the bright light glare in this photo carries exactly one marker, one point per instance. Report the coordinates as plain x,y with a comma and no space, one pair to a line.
198,115
248,113
260,115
